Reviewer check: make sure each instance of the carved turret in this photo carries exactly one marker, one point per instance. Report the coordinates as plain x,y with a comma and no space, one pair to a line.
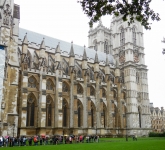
58,53
25,44
42,49
84,59
71,56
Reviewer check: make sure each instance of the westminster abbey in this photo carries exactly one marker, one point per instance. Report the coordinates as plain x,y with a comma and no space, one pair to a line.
49,86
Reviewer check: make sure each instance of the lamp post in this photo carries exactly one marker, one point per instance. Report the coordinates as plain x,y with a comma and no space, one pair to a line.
13,128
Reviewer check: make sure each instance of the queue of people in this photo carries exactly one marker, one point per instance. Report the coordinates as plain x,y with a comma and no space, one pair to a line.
8,141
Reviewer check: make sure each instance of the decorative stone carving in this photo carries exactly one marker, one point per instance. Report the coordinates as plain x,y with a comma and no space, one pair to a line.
92,91
136,56
3,105
122,57
79,89
65,87
7,18
138,97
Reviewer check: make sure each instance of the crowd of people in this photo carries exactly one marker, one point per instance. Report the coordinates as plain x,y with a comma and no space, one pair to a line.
46,140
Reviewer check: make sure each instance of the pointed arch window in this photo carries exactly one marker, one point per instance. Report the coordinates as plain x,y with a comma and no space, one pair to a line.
65,108
91,75
137,77
30,110
122,77
32,82
106,47
104,115
139,111
79,75
65,87
134,36
122,37
92,91
79,89
95,47
48,111
49,84
92,115
79,106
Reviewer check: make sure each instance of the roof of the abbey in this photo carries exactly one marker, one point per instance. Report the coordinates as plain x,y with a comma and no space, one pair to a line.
37,38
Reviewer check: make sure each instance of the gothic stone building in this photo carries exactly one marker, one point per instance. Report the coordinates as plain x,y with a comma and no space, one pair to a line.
157,119
49,86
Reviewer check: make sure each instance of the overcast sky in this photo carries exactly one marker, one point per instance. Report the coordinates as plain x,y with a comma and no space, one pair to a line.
64,19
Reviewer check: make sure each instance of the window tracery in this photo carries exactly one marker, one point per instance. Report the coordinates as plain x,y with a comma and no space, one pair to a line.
49,85
106,47
79,74
48,110
137,77
122,37
32,82
134,36
64,107
65,87
30,110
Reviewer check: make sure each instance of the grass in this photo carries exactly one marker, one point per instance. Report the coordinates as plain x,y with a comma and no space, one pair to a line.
105,144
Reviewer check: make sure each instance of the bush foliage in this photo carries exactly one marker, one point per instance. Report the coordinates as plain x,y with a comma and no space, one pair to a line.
154,134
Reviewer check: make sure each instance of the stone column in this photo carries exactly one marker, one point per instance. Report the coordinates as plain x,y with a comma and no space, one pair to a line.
23,98
42,100
58,100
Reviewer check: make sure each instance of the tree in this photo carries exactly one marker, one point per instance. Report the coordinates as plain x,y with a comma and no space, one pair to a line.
135,10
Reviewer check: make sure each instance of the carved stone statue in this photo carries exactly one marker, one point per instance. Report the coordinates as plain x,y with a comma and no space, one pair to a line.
7,15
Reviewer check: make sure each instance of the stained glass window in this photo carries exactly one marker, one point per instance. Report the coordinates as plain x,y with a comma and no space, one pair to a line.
122,37
32,82
30,110
65,87
64,113
48,111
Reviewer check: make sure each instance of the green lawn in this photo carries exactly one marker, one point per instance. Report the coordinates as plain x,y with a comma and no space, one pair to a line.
105,144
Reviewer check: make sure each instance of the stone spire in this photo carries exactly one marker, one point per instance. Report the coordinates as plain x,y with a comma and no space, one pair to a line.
71,54
96,58
42,46
25,40
84,54
58,48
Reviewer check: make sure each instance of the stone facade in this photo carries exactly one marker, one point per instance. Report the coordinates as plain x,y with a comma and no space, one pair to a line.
157,119
54,87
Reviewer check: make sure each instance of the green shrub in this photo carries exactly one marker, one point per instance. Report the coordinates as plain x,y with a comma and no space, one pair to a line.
154,134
